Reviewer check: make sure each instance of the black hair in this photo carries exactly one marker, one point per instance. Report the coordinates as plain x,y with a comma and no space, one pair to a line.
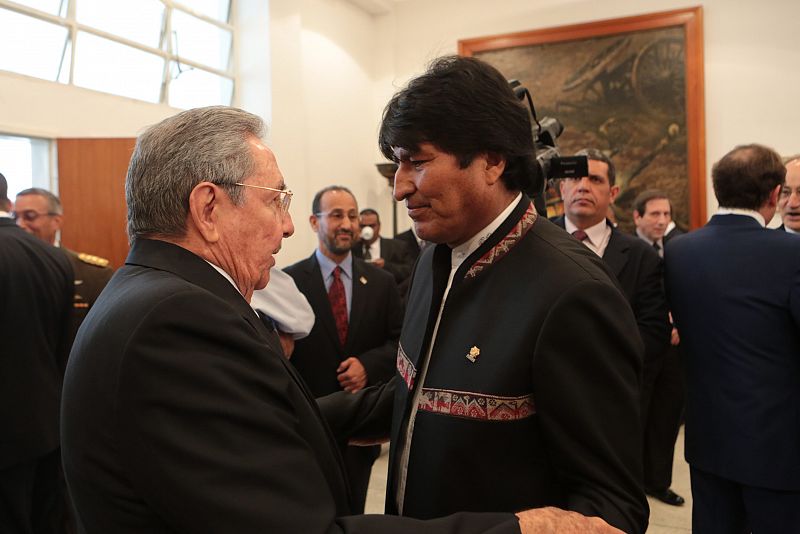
464,107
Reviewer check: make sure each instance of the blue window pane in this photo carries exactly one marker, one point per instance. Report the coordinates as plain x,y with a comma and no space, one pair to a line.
141,23
111,67
200,41
30,46
216,9
193,88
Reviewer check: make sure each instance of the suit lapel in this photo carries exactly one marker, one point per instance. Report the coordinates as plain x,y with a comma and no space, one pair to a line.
358,305
615,255
318,298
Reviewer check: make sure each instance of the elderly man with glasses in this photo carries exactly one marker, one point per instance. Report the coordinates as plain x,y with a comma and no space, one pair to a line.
39,212
180,413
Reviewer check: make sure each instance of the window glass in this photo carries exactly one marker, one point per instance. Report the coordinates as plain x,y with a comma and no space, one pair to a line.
25,163
193,88
200,41
140,21
111,67
48,6
216,9
30,46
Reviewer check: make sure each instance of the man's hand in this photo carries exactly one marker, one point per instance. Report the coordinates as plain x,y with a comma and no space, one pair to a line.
352,375
287,343
675,338
549,520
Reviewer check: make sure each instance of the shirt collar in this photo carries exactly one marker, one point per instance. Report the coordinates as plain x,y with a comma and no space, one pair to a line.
595,233
327,265
5,214
739,211
650,241
462,251
789,230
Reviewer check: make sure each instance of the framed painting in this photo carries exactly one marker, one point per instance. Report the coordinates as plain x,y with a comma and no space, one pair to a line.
631,87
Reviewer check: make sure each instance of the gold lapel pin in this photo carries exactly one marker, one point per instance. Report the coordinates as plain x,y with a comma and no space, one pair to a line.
363,280
473,354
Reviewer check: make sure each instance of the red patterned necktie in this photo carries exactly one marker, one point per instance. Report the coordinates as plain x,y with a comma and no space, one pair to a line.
580,235
339,304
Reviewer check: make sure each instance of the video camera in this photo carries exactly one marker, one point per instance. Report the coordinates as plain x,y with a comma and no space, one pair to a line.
551,165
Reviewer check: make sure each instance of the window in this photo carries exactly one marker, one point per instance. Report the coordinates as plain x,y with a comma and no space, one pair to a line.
25,163
176,53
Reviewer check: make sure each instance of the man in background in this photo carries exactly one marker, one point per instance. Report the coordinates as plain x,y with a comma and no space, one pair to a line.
35,305
39,212
636,266
504,401
664,390
734,292
382,252
789,200
354,341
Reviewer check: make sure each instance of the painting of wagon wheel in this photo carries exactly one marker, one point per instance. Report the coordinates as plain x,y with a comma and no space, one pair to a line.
628,87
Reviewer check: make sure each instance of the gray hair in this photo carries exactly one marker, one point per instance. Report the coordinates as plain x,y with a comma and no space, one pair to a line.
198,145
53,202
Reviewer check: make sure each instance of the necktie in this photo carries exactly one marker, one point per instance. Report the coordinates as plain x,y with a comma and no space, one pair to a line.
580,235
367,253
657,247
339,304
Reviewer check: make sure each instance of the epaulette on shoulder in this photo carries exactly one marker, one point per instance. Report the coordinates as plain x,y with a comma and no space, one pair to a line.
93,260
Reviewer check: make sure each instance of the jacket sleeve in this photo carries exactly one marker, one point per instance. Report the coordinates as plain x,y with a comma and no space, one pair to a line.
650,306
588,403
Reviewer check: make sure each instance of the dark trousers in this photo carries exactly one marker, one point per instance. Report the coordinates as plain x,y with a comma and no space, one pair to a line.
663,399
32,496
358,463
722,506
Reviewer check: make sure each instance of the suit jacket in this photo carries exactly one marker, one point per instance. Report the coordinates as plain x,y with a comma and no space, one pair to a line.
734,291
531,392
35,306
411,242
373,328
398,260
638,268
181,415
675,232
90,278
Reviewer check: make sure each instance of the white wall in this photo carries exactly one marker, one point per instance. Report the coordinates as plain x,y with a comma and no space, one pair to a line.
751,55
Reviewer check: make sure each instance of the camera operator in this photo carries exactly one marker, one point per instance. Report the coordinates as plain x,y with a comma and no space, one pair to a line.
506,400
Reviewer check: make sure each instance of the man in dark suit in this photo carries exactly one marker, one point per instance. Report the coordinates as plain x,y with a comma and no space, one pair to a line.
664,391
180,413
36,289
734,291
789,200
636,266
382,252
519,379
354,348
39,212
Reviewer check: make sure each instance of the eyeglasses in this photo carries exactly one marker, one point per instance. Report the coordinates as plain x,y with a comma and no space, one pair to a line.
339,215
283,200
30,215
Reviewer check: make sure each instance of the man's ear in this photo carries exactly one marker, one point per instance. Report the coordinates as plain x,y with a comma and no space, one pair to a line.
314,222
495,166
614,192
774,195
204,204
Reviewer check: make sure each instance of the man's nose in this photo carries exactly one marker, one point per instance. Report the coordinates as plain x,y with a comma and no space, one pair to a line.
287,225
403,184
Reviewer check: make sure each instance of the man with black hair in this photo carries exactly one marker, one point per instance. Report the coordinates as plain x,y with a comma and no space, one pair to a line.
519,378
734,292
383,252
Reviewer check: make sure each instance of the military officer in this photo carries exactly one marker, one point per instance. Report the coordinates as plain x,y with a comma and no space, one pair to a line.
39,212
